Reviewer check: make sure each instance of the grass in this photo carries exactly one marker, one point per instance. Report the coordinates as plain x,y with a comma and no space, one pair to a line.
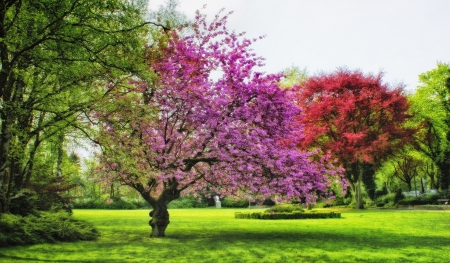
213,235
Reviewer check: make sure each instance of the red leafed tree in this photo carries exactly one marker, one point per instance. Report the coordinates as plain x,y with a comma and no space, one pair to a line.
184,131
355,117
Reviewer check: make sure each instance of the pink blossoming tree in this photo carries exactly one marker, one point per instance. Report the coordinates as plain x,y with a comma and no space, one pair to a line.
185,131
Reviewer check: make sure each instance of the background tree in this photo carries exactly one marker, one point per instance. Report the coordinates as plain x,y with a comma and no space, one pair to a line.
293,76
54,55
187,132
431,173
407,168
356,118
368,179
431,107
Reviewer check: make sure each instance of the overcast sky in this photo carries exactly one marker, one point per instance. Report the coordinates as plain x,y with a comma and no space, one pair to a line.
402,38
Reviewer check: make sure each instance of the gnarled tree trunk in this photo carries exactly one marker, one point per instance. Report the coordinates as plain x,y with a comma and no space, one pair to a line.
159,221
159,214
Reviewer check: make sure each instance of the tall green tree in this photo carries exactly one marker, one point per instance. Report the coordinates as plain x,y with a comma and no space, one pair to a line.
407,168
430,105
56,56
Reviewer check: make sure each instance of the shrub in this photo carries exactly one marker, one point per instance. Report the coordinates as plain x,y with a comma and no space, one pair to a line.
387,201
232,202
187,202
398,196
90,204
24,204
121,205
285,215
114,205
141,204
444,194
285,208
46,227
420,200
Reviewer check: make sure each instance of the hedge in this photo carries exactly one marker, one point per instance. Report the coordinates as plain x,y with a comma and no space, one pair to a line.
283,215
433,207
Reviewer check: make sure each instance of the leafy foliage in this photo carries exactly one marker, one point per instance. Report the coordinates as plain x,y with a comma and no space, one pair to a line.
285,208
286,215
54,55
46,227
431,109
355,117
187,131
186,202
101,204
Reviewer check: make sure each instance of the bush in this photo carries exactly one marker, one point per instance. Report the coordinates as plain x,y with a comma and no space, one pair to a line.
114,205
186,202
444,194
46,227
89,204
232,202
24,204
387,201
420,200
141,204
285,215
412,201
121,205
285,208
398,196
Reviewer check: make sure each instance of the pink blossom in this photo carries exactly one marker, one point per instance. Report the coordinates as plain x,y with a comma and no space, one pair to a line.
233,135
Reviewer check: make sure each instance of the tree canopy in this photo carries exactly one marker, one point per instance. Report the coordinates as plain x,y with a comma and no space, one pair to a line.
355,117
54,54
186,131
431,108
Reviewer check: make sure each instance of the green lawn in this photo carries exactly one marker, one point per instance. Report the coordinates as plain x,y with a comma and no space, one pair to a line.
213,235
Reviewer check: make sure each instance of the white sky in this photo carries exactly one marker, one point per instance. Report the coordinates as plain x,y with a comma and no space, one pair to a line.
402,38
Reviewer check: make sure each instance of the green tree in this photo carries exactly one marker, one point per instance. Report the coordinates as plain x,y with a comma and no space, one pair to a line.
56,56
407,168
293,76
430,105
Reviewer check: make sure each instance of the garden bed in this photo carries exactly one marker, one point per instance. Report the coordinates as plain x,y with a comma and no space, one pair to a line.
286,215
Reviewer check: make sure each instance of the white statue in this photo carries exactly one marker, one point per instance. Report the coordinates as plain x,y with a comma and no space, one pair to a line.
217,199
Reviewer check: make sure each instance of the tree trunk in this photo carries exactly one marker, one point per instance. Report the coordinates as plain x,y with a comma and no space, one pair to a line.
359,204
422,186
409,184
368,179
353,174
444,167
159,214
5,175
160,220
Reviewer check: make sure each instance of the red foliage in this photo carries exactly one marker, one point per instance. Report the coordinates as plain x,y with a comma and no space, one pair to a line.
353,115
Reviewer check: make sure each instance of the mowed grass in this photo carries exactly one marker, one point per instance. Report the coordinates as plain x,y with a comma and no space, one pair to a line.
213,235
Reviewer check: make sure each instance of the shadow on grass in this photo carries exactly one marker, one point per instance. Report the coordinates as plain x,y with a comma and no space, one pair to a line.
32,259
335,241
180,245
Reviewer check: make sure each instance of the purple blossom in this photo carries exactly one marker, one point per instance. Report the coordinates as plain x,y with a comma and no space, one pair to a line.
236,134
